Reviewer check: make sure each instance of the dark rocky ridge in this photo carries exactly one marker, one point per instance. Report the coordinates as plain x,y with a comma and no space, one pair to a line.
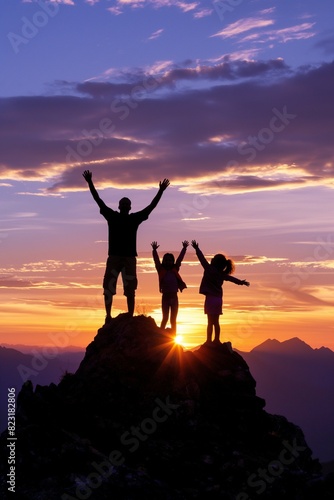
143,419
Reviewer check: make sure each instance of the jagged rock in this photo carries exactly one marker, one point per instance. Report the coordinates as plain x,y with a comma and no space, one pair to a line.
142,418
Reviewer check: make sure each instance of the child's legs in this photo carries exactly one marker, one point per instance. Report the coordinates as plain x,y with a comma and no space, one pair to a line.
165,310
213,308
216,327
213,323
209,329
174,307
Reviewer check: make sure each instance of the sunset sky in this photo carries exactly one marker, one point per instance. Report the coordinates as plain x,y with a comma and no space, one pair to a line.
230,100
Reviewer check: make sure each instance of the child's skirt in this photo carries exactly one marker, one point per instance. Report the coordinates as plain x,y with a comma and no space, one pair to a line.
213,305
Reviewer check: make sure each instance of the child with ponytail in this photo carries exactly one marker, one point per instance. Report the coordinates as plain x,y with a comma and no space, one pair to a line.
215,273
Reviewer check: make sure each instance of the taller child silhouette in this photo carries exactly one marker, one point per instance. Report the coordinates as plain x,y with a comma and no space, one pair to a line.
122,250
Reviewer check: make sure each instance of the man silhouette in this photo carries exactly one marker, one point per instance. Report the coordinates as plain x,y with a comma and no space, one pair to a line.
122,249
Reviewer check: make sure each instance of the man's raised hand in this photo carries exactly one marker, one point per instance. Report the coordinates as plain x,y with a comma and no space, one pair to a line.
194,244
164,184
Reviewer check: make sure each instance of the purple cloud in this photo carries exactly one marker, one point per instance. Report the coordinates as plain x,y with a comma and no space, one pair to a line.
250,125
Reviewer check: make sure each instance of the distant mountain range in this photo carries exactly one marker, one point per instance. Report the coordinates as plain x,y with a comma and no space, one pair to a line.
42,366
297,381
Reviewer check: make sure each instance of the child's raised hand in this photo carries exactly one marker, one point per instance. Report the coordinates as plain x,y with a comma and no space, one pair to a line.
87,175
185,243
154,245
245,282
194,244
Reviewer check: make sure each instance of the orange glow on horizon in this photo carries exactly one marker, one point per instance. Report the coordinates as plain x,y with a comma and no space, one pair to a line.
71,317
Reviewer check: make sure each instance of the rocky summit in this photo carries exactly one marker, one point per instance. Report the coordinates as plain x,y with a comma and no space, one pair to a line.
143,419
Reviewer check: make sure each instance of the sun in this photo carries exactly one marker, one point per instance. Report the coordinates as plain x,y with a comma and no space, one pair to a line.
178,339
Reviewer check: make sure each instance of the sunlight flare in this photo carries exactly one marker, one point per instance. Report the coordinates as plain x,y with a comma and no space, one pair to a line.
178,339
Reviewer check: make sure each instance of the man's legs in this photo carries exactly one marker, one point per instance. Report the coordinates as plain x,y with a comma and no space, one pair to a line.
109,284
115,265
130,282
108,305
131,303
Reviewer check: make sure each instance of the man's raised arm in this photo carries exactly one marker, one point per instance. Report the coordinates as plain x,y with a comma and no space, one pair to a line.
163,185
88,177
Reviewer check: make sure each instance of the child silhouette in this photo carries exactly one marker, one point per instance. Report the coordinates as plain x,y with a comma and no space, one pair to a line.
169,283
215,273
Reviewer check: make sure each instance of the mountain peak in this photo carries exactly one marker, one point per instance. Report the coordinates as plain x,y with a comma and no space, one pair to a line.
267,345
291,346
297,346
142,418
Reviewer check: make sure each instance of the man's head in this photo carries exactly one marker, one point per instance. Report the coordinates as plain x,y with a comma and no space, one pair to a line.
124,205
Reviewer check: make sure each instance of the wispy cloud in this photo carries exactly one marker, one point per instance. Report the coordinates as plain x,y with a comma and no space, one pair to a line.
156,34
52,274
195,218
242,26
64,2
135,4
202,13
42,194
258,24
20,215
306,298
297,32
132,3
116,11
197,7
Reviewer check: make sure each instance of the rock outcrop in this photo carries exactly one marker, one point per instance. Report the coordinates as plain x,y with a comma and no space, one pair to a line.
143,419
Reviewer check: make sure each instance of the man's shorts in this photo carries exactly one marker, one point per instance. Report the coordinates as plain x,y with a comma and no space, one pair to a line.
127,267
213,305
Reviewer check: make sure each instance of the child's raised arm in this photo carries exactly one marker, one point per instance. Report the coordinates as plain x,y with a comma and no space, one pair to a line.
180,258
199,254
